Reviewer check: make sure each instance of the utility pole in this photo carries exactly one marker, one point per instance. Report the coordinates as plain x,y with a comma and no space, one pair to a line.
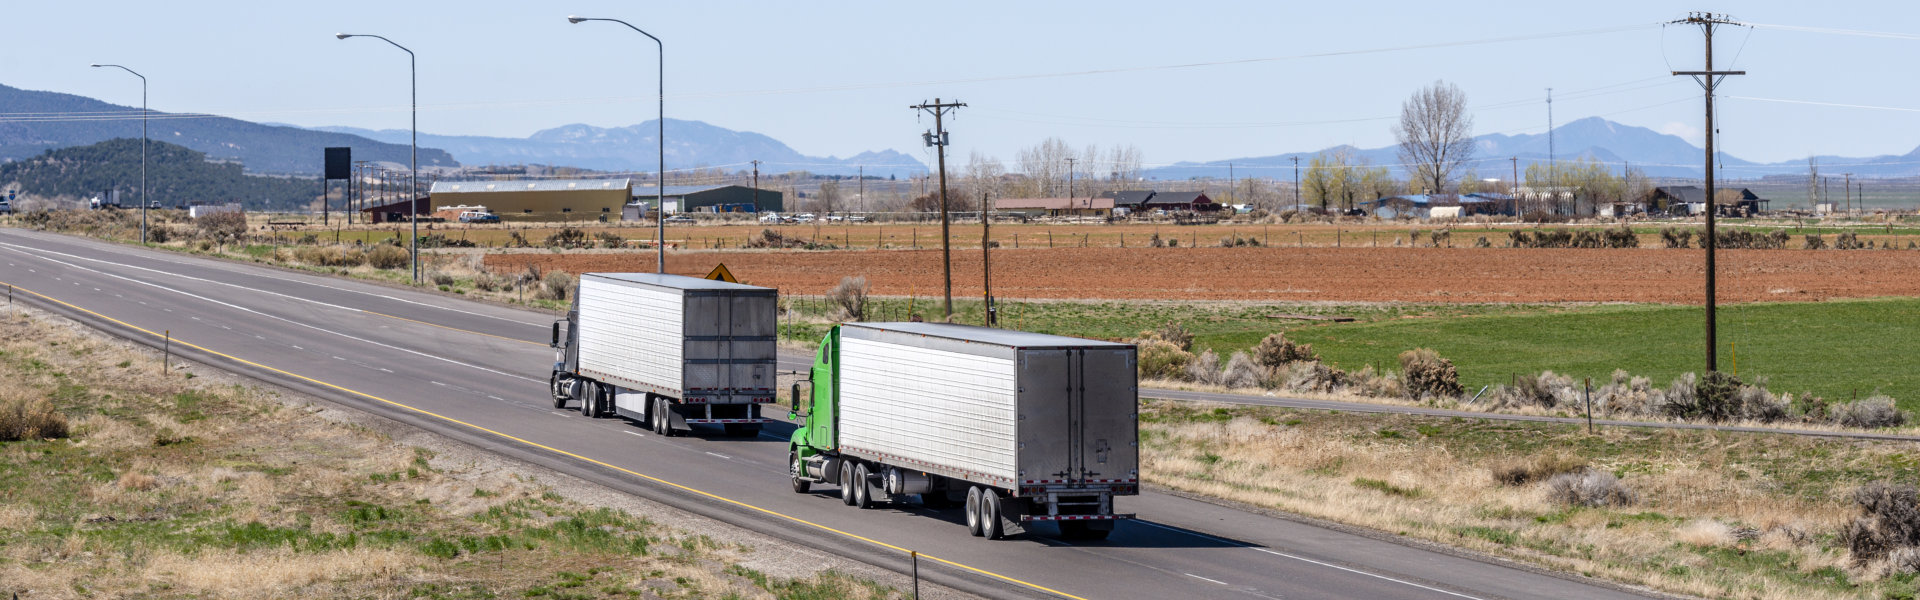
863,188
1296,182
1708,79
756,185
1513,187
938,139
1553,173
986,268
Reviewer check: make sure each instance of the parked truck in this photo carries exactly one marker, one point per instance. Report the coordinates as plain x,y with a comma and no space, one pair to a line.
1019,427
668,351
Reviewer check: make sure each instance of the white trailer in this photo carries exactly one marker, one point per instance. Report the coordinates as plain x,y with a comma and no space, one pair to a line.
668,351
1022,427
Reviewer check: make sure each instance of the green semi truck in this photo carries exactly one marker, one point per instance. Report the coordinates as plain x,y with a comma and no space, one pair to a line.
1018,427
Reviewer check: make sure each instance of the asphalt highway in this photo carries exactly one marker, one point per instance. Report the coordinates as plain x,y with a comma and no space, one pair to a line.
477,373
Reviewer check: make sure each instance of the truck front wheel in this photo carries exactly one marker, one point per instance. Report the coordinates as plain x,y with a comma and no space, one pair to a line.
796,468
556,386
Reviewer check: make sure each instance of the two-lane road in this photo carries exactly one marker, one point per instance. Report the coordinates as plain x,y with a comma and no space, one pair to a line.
477,373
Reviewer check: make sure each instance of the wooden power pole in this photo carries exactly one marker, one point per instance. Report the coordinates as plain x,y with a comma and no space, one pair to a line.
938,139
1708,79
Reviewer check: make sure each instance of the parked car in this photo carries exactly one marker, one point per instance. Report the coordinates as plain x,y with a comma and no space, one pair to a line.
474,216
771,217
857,219
679,220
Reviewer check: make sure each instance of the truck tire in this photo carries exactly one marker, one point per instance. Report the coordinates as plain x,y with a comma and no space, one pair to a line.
846,485
862,490
990,515
589,396
973,511
554,387
796,468
662,423
1081,530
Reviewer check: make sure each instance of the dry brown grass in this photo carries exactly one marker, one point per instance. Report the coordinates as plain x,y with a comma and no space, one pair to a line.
1717,515
193,488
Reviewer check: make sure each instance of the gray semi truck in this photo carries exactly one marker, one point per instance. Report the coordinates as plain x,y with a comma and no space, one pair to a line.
668,351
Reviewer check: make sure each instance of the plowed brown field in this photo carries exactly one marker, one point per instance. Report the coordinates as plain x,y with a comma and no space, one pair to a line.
1303,274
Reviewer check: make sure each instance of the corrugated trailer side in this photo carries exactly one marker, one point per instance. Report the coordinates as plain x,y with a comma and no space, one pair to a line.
945,406
631,334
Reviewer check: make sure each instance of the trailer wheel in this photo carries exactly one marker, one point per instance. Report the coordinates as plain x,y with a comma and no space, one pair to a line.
990,515
589,396
973,511
846,485
862,490
796,468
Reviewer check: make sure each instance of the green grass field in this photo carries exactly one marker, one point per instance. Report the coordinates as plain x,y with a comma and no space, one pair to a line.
1835,349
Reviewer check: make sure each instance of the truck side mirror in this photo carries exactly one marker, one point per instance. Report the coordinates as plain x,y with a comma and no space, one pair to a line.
798,410
556,334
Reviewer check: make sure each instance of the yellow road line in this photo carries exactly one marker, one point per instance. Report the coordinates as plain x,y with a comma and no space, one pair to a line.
768,512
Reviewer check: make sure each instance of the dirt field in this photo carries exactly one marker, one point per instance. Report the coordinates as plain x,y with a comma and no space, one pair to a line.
1303,274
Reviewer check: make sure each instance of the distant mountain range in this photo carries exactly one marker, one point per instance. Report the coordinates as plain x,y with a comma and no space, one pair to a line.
33,122
635,148
1657,154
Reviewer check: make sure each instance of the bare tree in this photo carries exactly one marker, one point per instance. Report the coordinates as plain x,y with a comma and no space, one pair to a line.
1123,165
1046,166
1435,134
1331,178
985,176
829,197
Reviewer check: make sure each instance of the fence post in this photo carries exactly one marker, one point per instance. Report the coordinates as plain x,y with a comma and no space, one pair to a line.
1589,406
916,573
166,352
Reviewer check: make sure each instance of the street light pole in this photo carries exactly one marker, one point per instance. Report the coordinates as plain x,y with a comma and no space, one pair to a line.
413,155
660,199
143,150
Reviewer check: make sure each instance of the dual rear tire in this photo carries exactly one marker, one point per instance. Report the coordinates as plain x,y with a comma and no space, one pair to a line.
983,513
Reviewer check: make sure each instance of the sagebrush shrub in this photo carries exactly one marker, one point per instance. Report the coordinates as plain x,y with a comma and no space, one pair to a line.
1426,374
556,285
30,419
1276,350
387,256
1241,372
1161,359
1540,467
1205,369
1889,520
1590,488
1874,412
851,297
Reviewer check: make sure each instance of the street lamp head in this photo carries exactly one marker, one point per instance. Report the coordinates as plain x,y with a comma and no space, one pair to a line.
95,65
574,19
343,35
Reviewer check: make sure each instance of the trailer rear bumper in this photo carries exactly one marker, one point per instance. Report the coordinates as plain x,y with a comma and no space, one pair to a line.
1025,518
729,421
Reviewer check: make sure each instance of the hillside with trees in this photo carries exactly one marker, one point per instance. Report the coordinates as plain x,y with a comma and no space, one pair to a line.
42,121
176,176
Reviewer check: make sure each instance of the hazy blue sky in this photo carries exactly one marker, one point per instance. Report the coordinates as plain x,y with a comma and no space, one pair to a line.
836,78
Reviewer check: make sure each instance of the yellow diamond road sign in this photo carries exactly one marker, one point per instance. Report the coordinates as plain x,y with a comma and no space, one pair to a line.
720,273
